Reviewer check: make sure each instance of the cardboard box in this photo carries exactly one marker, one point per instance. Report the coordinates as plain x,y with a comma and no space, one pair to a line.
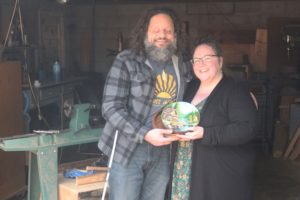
281,139
284,107
294,122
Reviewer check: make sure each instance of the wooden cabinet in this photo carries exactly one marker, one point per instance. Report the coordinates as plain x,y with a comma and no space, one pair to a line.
12,167
24,54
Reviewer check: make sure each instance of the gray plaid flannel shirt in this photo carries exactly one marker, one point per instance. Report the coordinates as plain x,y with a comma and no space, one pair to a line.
127,101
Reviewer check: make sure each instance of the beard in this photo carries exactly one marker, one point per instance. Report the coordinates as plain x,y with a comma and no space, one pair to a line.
162,54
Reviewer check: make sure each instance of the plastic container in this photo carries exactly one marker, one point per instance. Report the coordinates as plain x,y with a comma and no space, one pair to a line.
56,68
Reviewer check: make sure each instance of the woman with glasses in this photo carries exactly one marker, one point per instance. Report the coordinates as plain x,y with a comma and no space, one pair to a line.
215,160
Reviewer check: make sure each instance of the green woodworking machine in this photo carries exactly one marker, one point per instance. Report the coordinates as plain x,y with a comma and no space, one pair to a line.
43,147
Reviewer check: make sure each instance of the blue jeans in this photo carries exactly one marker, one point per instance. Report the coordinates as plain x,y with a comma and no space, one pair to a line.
144,178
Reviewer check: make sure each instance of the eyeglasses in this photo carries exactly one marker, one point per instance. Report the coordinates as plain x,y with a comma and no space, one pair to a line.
205,59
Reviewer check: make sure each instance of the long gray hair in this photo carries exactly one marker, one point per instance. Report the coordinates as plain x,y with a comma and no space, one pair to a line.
140,31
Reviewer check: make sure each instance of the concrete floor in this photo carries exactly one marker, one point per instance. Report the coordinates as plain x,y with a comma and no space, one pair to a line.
277,179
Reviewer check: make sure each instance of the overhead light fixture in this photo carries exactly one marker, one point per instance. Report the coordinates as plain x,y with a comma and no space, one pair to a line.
62,1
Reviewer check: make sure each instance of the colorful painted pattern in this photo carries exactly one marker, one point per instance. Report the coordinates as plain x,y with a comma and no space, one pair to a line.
182,168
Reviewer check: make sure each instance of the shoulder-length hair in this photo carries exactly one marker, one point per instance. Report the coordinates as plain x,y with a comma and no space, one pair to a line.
140,31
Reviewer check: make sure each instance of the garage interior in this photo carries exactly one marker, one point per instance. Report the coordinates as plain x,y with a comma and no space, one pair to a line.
261,45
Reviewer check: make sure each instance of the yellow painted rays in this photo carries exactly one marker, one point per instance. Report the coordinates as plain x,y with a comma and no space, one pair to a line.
165,87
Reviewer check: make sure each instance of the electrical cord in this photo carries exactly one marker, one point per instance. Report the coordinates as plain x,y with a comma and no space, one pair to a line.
16,6
10,23
25,66
36,102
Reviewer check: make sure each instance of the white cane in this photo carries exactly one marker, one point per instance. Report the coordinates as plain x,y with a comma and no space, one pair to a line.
109,164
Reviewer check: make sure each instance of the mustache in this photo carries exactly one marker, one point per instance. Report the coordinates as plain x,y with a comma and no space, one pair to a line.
161,38
160,54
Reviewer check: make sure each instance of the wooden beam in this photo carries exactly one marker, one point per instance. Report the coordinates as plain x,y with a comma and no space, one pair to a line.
96,168
296,151
97,177
292,143
160,1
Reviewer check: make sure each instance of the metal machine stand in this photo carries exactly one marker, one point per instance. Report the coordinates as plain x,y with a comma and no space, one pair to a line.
43,148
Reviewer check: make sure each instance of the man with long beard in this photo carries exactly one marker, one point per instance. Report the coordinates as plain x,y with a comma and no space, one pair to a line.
141,81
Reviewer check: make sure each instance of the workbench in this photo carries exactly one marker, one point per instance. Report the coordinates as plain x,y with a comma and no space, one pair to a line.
68,190
49,92
43,148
